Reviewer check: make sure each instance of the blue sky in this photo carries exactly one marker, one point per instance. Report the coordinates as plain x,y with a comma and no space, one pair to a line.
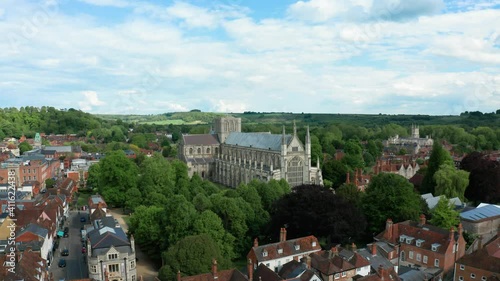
321,56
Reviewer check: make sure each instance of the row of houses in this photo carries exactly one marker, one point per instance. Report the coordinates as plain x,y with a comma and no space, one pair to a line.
30,232
409,250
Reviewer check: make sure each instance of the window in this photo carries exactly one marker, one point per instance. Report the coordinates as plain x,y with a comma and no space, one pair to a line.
472,275
34,177
436,262
114,267
419,257
410,255
461,278
419,242
314,243
483,278
337,276
435,246
133,277
94,269
409,240
199,150
132,264
190,151
268,264
425,259
297,247
208,150
280,251
455,247
112,256
462,267
264,254
295,148
344,274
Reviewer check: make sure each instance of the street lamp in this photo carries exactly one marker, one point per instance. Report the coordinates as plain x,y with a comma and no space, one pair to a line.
102,273
125,264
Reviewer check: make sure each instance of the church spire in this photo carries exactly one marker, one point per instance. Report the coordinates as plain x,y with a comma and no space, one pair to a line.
283,139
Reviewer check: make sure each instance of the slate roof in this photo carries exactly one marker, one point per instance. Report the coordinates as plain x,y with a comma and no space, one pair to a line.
264,273
257,140
106,239
376,260
288,246
481,213
295,270
487,258
201,139
335,261
35,229
60,149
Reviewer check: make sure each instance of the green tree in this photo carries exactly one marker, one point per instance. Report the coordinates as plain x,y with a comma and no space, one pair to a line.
50,183
335,171
390,196
444,214
178,218
147,230
192,255
451,182
24,146
439,156
133,198
209,223
350,193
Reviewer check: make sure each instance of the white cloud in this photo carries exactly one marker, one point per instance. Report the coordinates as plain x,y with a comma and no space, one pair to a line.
112,3
91,99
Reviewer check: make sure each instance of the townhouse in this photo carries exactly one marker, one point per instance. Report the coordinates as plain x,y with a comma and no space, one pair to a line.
424,245
275,255
339,264
483,264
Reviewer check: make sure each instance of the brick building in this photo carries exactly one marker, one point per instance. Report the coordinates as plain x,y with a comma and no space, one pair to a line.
424,245
484,264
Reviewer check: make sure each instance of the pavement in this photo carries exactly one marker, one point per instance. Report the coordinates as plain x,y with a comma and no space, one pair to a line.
76,267
144,266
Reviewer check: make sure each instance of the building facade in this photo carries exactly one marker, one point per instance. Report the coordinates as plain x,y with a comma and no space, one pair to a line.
230,157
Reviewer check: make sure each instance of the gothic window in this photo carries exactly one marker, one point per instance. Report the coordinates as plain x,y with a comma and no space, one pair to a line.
295,172
191,151
208,150
216,150
199,150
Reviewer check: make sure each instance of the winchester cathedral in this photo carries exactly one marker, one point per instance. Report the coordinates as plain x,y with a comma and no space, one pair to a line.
230,157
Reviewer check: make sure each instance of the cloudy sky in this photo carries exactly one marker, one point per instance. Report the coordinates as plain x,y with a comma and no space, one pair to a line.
328,56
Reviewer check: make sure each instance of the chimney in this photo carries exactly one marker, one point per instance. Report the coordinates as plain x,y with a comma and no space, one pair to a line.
250,270
388,228
132,243
354,247
452,234
460,229
178,275
422,220
256,242
308,262
214,269
374,249
479,242
283,234
333,251
381,272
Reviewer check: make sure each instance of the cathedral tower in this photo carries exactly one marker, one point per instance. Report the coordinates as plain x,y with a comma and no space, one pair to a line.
225,125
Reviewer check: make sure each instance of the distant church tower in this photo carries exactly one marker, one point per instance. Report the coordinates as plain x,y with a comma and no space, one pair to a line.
38,141
415,132
226,125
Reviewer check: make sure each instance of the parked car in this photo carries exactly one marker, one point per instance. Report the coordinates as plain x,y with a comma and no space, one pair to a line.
84,250
66,229
62,263
66,235
82,219
65,253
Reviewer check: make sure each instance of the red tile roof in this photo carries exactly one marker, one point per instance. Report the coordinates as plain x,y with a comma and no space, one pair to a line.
337,260
487,258
286,248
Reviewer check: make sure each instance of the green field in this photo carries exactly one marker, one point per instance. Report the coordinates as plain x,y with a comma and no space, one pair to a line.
173,122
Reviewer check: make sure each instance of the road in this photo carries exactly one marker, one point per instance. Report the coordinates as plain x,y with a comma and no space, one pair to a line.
76,268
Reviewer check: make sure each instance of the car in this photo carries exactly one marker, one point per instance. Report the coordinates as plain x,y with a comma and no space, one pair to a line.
82,219
66,235
84,250
62,263
66,229
65,253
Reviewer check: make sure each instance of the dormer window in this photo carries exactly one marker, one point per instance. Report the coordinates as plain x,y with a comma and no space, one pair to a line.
419,242
297,247
264,254
280,251
402,238
314,243
435,247
409,240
